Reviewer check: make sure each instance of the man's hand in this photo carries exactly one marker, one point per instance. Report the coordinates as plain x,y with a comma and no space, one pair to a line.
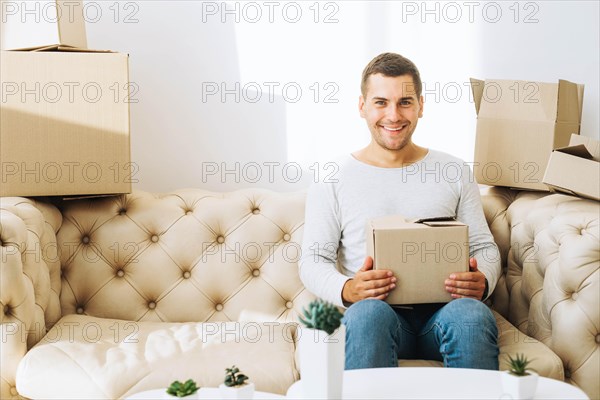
368,283
466,284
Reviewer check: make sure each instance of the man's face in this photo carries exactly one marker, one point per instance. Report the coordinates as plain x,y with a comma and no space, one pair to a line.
391,109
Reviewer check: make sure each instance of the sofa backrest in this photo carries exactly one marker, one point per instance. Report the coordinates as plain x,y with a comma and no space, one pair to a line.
191,255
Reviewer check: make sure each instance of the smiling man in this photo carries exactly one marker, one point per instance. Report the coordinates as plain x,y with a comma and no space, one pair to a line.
393,175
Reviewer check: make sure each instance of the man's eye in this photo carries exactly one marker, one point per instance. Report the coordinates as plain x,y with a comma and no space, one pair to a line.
405,102
380,102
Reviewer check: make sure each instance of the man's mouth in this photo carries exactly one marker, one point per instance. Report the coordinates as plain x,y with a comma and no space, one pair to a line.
393,128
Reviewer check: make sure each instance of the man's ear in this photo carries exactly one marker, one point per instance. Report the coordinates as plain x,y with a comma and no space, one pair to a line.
361,106
421,102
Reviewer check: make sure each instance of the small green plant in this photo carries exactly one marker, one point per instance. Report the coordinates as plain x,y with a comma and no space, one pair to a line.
233,377
182,389
322,315
519,365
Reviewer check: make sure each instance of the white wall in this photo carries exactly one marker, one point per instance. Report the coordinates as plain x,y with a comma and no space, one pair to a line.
179,48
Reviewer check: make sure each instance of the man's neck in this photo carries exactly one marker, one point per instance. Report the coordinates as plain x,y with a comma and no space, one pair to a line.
377,156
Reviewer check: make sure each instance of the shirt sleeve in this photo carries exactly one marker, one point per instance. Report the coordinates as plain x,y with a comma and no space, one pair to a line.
321,239
481,242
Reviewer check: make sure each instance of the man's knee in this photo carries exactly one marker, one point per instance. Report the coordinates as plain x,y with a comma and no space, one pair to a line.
471,316
469,309
370,312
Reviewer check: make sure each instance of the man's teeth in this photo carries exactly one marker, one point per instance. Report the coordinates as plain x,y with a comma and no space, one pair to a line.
393,129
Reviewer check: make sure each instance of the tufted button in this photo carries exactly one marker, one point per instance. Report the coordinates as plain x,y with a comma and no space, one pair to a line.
154,238
13,391
567,374
85,239
289,304
79,310
255,272
220,239
189,212
287,237
582,231
187,274
256,210
120,273
122,211
574,295
598,338
219,307
6,310
152,305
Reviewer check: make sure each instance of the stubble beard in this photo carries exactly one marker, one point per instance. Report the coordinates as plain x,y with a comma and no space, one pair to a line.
406,139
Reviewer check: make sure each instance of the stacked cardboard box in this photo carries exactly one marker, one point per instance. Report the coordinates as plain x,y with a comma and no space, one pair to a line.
518,125
64,118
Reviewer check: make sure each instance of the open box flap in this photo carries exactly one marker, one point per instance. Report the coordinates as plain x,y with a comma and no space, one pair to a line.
56,22
439,221
593,146
60,48
578,151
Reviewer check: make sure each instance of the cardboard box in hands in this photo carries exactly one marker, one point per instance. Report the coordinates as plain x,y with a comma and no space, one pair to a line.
421,254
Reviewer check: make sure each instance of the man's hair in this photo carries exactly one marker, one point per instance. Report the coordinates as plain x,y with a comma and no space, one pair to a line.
391,65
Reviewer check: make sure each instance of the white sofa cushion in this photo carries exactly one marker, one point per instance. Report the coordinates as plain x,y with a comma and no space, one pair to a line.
87,357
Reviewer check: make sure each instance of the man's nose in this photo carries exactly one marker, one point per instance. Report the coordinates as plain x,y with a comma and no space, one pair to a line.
393,113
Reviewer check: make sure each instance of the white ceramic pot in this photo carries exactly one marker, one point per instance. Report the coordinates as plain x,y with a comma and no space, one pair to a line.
246,391
519,387
322,359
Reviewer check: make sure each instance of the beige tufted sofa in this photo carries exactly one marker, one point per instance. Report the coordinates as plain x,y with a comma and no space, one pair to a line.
107,297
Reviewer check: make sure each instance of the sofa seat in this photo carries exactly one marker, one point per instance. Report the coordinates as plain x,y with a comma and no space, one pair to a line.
89,357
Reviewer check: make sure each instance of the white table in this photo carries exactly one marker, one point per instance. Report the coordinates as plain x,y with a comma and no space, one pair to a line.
203,393
436,383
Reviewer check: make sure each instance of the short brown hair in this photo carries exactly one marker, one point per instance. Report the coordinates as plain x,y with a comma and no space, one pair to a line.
392,65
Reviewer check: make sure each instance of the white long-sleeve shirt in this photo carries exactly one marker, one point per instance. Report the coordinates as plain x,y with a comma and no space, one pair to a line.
337,210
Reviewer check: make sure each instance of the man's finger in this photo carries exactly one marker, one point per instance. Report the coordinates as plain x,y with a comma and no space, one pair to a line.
379,283
378,292
373,275
367,265
460,296
473,264
469,285
380,297
465,276
462,292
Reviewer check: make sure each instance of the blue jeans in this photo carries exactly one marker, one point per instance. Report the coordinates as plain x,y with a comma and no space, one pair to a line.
462,334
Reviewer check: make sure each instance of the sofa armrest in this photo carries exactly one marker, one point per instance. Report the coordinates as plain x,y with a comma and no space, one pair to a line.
554,280
29,280
495,201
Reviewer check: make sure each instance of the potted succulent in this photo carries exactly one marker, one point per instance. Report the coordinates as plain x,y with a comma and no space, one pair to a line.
235,386
322,354
519,382
188,389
